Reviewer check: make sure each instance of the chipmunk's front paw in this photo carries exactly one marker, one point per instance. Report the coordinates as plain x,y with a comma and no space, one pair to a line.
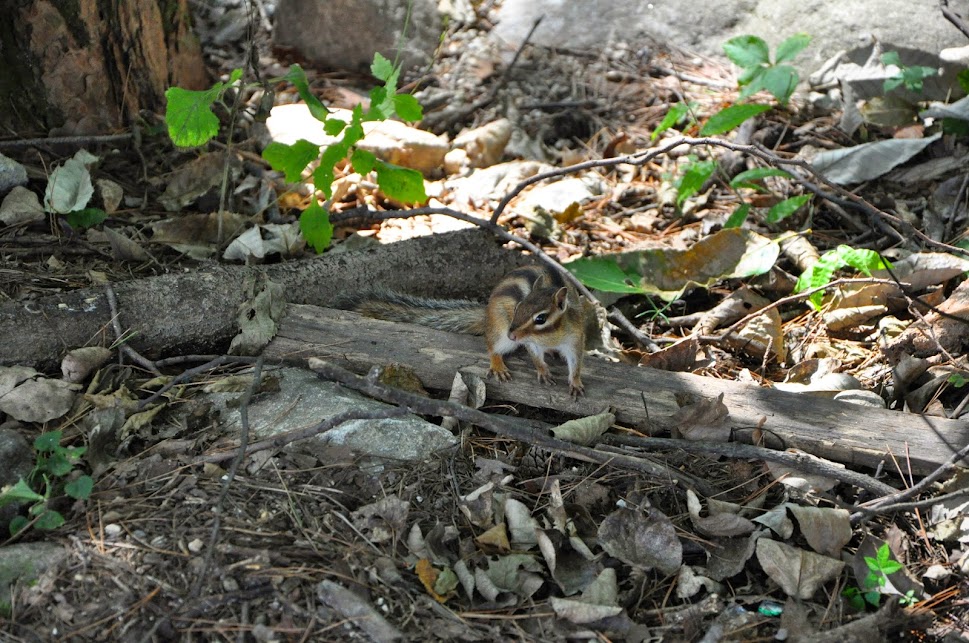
545,377
502,375
576,388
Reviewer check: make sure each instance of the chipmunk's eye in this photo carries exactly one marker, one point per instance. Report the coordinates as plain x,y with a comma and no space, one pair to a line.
541,318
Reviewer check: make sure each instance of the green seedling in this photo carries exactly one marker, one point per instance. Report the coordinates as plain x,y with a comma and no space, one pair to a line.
192,122
758,72
879,569
48,480
911,77
821,273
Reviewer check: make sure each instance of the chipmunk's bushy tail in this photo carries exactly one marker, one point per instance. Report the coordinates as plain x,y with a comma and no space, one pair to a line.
453,315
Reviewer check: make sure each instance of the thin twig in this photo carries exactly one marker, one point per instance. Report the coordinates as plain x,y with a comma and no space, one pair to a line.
812,464
641,338
80,141
124,348
900,496
954,18
219,506
192,372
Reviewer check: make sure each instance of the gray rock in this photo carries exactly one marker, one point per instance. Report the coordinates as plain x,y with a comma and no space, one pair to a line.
23,563
304,400
18,460
21,206
12,174
344,34
703,27
861,398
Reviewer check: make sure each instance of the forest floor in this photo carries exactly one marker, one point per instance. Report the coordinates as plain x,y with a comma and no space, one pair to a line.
501,540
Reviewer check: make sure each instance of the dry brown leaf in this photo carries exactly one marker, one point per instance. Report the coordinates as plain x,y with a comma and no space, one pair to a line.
702,418
799,573
643,541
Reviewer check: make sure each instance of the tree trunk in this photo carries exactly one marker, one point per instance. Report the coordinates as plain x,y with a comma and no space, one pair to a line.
75,67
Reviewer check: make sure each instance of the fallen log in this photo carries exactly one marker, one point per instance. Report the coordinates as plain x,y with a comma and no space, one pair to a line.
195,312
640,397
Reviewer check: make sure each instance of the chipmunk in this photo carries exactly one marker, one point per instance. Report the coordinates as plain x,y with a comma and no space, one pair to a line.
532,307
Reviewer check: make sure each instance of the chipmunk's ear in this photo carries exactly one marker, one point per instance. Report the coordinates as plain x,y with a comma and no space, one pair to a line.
561,298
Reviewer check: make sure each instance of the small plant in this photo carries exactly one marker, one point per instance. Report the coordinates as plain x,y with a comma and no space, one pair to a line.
879,568
752,55
191,122
958,380
752,179
49,476
694,176
911,77
831,261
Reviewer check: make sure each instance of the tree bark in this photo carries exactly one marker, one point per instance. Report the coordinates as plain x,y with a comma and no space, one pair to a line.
89,66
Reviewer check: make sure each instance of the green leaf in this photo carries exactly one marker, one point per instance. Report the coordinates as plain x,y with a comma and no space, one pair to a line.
333,126
913,76
603,273
20,492
674,115
315,225
381,68
381,107
853,596
400,183
291,159
738,217
963,78
861,259
786,208
955,126
693,179
873,598
891,58
86,218
17,523
958,380
80,488
891,83
49,520
747,51
408,108
787,50
781,81
74,453
297,77
191,121
58,464
820,273
757,174
354,131
730,117
48,442
750,80
323,175
362,161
